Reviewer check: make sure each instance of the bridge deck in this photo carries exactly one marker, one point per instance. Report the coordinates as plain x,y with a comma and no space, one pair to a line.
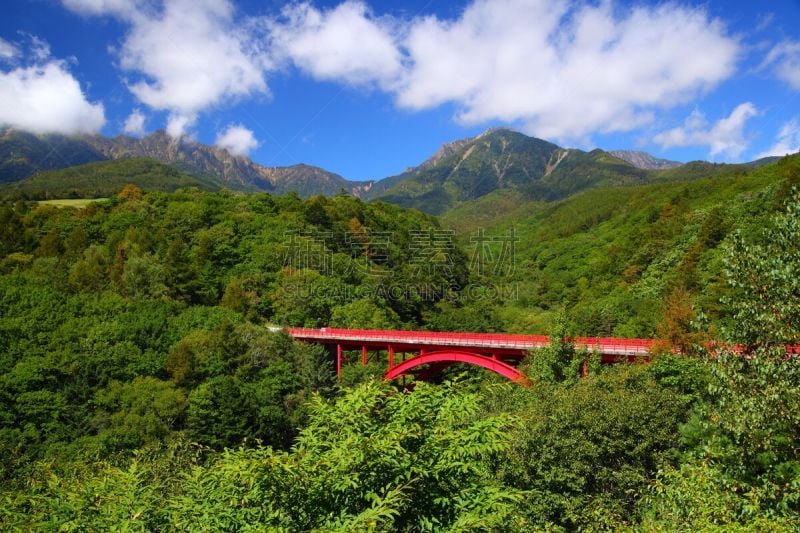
505,343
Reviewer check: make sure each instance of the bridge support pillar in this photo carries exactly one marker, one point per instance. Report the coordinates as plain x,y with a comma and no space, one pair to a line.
391,356
364,355
339,360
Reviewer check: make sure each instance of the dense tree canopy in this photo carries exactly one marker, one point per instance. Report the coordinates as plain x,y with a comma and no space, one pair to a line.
142,389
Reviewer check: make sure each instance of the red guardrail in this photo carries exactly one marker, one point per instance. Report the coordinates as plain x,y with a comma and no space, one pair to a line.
485,340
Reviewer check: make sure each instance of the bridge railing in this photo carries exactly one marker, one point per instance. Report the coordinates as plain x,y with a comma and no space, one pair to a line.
487,340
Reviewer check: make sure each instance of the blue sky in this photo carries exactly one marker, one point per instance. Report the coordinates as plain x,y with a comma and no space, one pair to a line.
368,89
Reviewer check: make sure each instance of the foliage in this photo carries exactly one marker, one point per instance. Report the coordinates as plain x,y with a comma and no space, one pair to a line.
103,178
141,390
613,256
374,459
586,452
137,320
745,438
560,361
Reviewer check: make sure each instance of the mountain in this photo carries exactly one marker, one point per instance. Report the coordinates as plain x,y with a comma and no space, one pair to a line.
470,168
644,160
104,178
613,255
234,172
508,169
764,161
502,159
23,154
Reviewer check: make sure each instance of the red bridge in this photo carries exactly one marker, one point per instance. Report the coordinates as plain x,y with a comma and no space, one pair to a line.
424,353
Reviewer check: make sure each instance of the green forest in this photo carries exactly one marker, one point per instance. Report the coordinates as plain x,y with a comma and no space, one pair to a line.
145,384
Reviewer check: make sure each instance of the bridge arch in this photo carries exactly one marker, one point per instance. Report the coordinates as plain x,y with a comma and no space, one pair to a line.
444,358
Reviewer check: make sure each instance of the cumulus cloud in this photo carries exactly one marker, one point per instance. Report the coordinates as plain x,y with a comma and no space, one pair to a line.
237,139
194,55
7,50
787,141
558,69
134,124
46,98
561,69
178,124
726,136
784,60
345,43
191,54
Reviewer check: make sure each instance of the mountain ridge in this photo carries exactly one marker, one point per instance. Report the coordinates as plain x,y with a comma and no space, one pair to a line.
457,172
23,154
644,160
233,171
501,158
466,169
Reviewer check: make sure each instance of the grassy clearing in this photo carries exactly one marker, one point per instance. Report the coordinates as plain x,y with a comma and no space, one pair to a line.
77,203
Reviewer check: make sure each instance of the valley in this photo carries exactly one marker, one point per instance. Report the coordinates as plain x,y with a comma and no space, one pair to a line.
144,296
351,266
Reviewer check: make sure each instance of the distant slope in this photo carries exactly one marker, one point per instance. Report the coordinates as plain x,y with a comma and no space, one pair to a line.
503,159
611,256
700,169
579,170
22,154
234,172
644,160
103,178
468,169
764,161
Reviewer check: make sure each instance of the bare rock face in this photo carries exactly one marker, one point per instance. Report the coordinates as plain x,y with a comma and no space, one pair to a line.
644,160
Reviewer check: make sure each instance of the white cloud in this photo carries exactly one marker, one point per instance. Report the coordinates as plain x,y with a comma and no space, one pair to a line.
345,43
784,59
134,124
191,54
102,7
787,141
47,98
561,69
179,123
7,50
237,139
39,48
726,136
565,69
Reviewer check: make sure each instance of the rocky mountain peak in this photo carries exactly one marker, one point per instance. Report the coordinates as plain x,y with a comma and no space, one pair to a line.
644,160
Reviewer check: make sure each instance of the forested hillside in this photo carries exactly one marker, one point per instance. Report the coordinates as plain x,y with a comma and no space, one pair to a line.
138,321
345,266
102,179
619,258
143,389
23,154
